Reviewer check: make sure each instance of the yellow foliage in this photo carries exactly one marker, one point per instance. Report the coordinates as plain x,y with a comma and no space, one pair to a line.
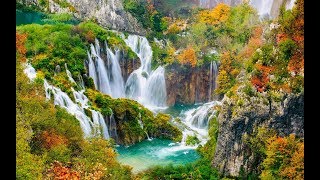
215,16
188,56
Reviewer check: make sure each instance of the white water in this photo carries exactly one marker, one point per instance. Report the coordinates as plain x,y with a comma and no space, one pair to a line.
144,85
212,77
263,6
197,121
30,72
75,108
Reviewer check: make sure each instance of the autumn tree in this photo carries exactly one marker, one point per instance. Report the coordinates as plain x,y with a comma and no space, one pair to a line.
188,56
216,15
284,158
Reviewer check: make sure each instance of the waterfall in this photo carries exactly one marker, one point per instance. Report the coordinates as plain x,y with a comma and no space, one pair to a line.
212,77
290,4
98,121
77,109
144,85
113,127
116,79
30,72
141,126
69,74
156,93
197,121
263,6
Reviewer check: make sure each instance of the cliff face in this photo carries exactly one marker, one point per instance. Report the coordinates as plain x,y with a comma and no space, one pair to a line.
108,13
285,116
187,85
213,3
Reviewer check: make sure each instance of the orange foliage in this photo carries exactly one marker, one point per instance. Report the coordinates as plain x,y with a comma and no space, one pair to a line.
20,46
58,171
51,139
215,16
188,56
285,158
254,43
261,80
90,36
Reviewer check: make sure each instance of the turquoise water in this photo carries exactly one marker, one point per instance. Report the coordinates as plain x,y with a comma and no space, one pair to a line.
29,17
146,154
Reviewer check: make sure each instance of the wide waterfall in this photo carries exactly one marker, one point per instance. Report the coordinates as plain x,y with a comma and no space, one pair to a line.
144,85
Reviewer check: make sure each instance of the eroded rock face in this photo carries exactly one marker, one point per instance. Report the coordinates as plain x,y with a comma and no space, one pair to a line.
128,65
286,117
186,85
108,13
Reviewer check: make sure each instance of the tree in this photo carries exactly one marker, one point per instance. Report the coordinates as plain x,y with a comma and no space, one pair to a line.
215,16
188,56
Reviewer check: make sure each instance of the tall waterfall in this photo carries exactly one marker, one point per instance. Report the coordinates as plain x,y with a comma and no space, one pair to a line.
212,77
144,85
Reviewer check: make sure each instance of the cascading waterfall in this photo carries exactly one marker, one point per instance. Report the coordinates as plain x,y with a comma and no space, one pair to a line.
146,86
197,121
77,109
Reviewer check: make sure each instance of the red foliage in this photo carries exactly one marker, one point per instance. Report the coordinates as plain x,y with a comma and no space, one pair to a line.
58,171
261,80
50,139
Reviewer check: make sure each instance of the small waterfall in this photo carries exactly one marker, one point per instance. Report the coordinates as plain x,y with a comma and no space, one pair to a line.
63,100
77,109
210,81
30,72
98,121
212,78
263,7
113,127
81,81
197,121
69,74
141,125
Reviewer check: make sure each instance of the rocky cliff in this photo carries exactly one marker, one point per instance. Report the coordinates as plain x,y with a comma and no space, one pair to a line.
187,85
108,13
286,116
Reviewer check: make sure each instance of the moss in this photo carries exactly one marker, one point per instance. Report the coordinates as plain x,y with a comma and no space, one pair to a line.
126,113
192,140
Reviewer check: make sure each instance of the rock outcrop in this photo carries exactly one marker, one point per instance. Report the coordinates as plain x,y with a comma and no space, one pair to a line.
187,85
286,116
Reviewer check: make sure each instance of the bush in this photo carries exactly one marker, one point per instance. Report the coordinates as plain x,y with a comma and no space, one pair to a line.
192,140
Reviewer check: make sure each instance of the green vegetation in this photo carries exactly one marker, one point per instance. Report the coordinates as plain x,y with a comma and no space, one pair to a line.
127,113
192,140
49,141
